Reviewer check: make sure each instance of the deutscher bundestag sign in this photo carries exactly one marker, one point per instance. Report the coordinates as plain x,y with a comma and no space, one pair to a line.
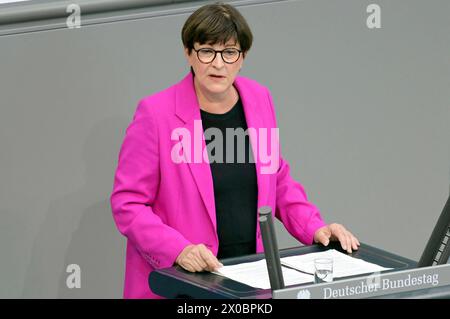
376,284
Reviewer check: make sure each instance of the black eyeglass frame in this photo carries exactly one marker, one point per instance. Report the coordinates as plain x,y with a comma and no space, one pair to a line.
215,54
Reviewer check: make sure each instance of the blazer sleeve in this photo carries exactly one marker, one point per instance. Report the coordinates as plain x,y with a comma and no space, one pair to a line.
300,217
136,184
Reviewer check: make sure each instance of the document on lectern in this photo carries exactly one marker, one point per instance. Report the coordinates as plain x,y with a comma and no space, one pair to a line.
300,271
343,265
255,274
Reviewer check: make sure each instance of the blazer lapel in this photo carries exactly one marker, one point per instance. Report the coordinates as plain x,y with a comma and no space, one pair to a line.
254,120
188,110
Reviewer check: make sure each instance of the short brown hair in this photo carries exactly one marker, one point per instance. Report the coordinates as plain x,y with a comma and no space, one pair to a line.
216,23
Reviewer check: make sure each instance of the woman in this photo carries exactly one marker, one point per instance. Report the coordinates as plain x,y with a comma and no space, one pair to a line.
178,206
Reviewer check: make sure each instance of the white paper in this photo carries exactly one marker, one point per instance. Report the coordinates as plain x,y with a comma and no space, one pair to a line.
255,274
343,265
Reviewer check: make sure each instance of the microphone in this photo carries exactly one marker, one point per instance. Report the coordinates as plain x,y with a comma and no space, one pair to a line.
271,248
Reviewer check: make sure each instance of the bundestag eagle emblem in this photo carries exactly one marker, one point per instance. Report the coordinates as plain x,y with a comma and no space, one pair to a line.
304,294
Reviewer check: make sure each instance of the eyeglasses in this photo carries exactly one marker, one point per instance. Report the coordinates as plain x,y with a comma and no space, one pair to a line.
207,55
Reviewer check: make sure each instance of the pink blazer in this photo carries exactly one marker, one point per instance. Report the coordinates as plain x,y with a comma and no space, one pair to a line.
162,206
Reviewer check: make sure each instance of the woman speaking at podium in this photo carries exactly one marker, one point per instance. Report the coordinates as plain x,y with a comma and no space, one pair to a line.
200,157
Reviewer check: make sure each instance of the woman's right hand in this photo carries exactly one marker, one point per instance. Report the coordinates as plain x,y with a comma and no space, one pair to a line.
198,258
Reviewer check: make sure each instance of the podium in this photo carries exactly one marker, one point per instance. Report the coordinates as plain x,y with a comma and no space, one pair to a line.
175,282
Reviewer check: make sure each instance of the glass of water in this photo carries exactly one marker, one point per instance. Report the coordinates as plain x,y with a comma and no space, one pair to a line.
323,270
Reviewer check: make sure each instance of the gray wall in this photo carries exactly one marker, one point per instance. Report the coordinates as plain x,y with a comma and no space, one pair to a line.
363,114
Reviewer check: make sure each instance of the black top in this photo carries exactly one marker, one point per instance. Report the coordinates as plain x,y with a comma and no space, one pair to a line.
235,183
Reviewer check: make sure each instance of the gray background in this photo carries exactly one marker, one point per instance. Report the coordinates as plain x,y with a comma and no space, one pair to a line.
363,114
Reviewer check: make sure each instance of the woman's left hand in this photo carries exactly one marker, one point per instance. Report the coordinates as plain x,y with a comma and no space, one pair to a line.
337,232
